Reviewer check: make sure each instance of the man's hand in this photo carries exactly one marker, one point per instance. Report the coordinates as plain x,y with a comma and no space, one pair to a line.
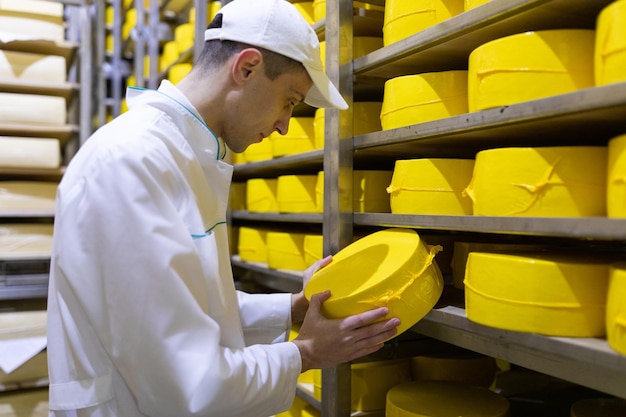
326,342
299,303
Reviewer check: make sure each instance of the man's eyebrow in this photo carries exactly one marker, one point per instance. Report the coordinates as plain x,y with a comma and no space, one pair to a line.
301,96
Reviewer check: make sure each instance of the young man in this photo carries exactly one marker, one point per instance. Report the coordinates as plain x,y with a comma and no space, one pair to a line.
143,316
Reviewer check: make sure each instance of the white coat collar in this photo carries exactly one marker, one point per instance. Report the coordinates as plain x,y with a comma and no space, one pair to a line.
171,95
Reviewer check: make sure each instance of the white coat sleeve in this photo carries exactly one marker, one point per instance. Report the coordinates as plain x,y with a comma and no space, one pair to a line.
132,262
266,318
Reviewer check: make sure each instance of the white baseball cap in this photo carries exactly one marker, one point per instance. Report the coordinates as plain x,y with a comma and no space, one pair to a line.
276,25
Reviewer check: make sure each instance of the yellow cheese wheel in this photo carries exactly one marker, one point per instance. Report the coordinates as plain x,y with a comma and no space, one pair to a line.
259,151
306,377
252,244
212,8
25,241
29,152
404,18
296,193
27,195
261,195
319,8
561,181
237,196
296,408
610,44
366,119
178,71
32,109
305,8
32,67
444,399
431,186
184,36
28,403
529,66
463,249
370,382
538,293
361,46
310,411
391,267
615,308
413,99
169,55
313,249
369,191
599,407
299,138
470,4
285,251
616,179
467,368
319,191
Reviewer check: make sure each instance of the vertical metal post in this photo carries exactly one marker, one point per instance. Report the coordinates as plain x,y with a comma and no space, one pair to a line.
100,76
201,23
116,61
338,149
138,35
86,71
153,44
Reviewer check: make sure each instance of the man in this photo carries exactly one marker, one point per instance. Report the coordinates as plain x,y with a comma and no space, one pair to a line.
143,316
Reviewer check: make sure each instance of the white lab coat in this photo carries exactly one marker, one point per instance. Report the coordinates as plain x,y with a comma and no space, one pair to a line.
143,315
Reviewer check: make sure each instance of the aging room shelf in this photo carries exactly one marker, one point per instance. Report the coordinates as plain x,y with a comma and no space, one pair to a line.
448,44
62,132
66,90
584,361
585,117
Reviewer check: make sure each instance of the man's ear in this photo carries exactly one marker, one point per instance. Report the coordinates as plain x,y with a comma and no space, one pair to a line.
246,64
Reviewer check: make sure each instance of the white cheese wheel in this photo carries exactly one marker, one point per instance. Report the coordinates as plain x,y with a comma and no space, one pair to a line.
27,195
32,67
18,27
439,399
559,181
537,293
25,241
41,8
31,403
32,109
29,152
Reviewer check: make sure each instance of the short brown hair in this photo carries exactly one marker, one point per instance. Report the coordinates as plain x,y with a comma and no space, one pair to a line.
215,53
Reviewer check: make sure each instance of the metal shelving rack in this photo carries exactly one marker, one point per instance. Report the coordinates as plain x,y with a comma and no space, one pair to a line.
77,50
586,117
